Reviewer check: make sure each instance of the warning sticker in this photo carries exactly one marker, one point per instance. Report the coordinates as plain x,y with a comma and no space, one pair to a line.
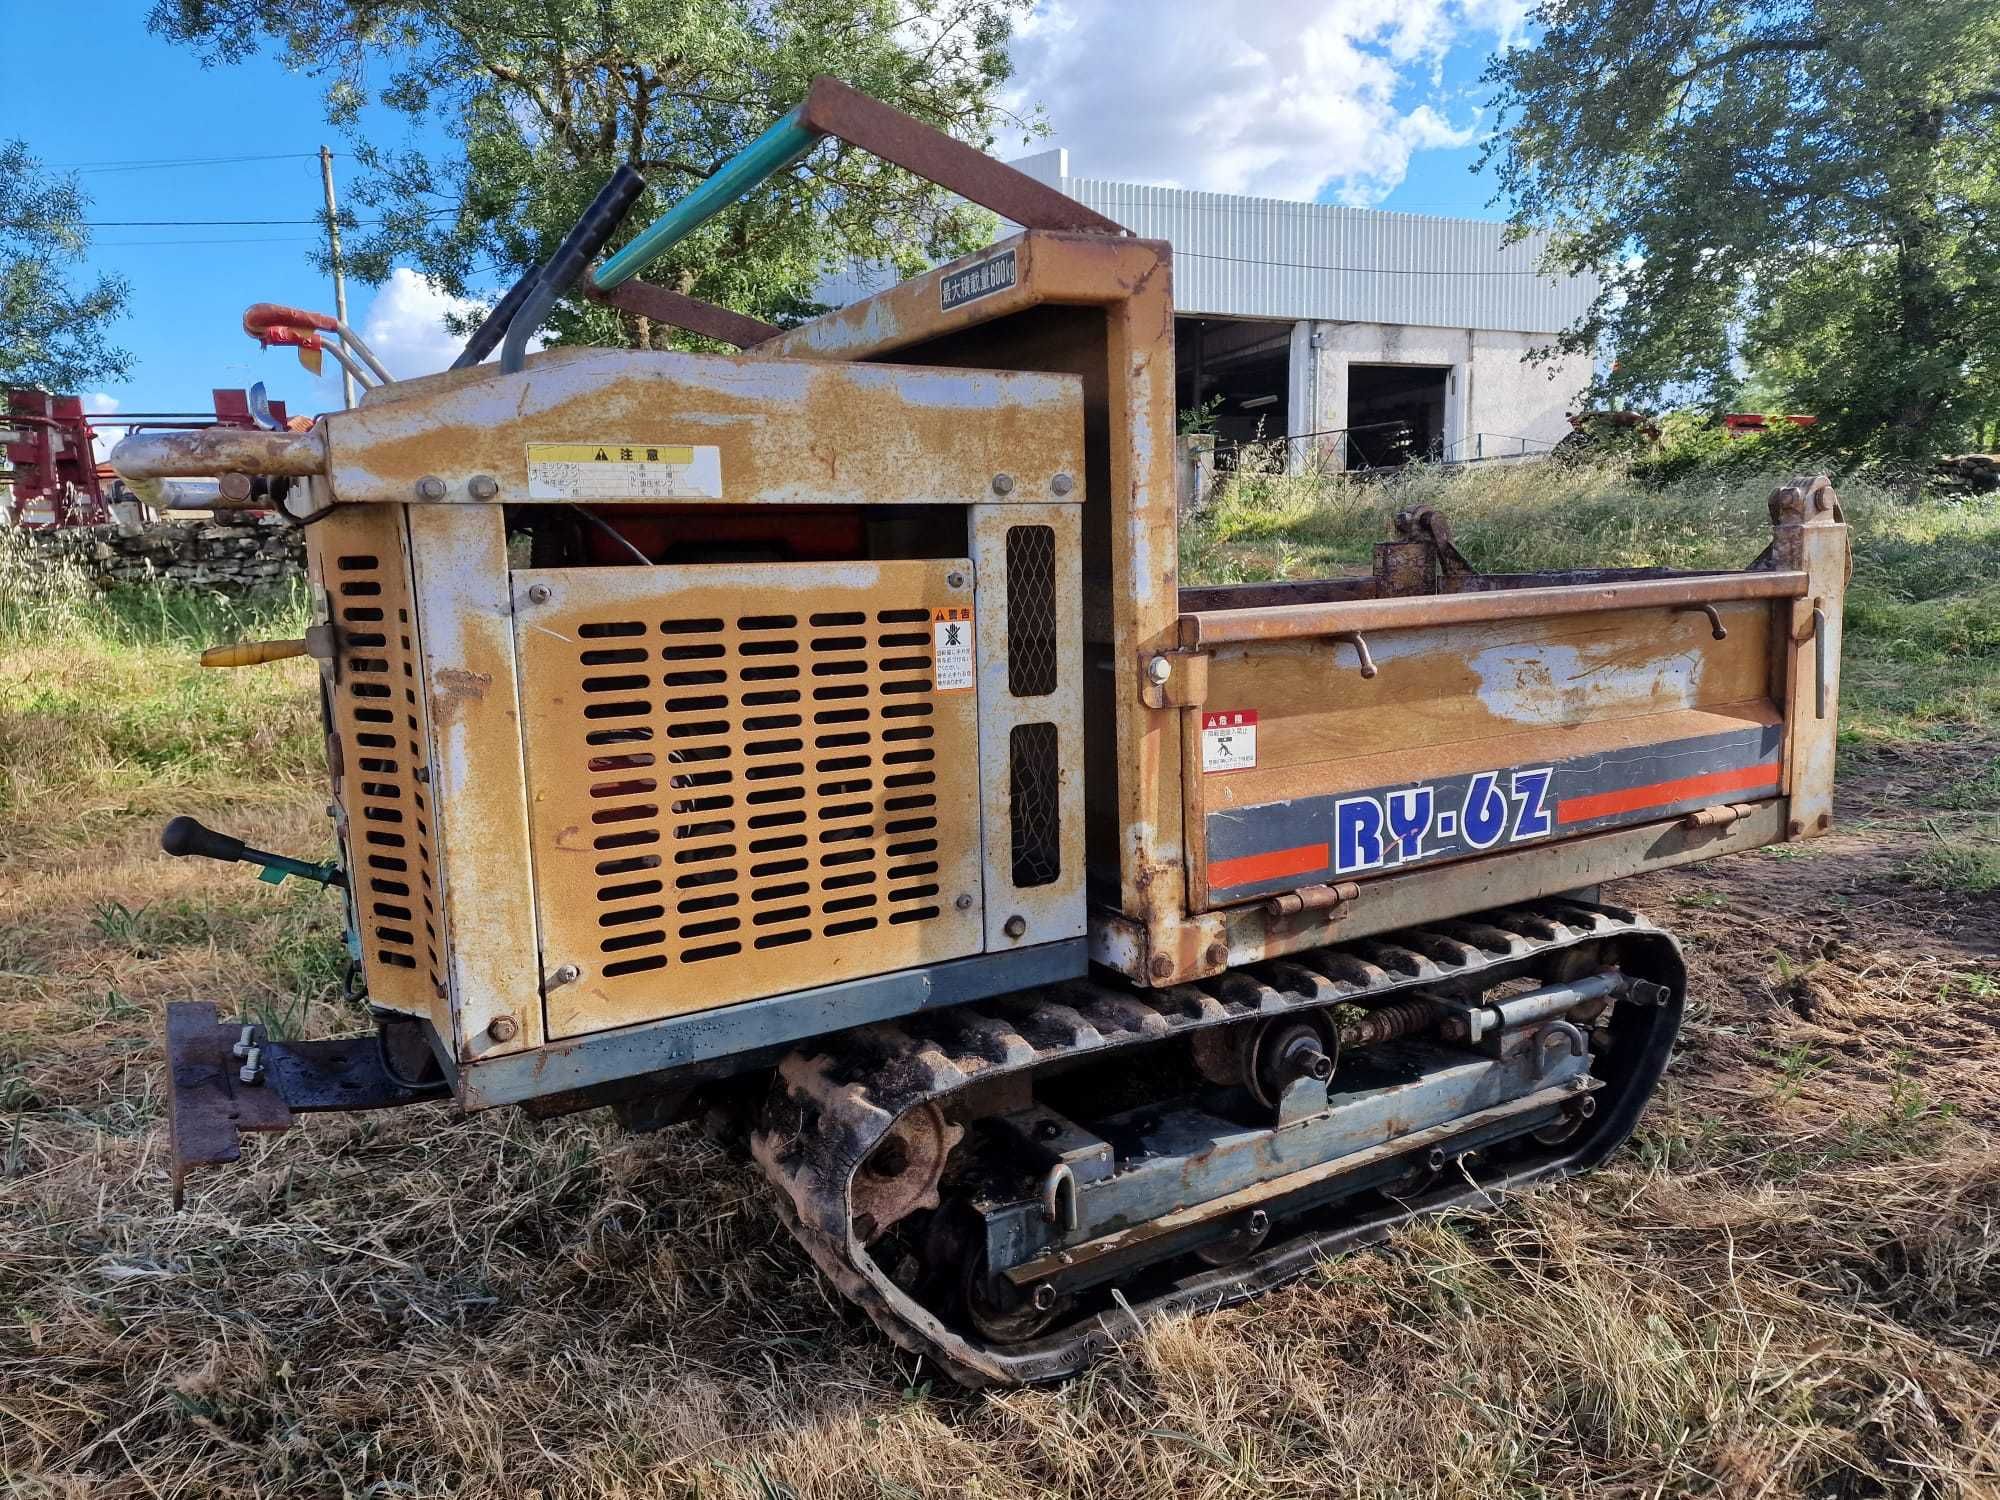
951,647
1229,740
623,471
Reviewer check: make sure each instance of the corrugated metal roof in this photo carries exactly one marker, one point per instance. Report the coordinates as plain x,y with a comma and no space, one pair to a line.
1245,257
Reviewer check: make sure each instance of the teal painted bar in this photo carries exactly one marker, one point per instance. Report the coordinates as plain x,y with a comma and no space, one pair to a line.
773,151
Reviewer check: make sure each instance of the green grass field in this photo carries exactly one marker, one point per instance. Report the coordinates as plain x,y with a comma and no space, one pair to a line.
1788,1285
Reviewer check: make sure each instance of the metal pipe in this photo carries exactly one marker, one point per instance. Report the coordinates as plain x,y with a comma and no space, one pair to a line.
486,337
1314,621
353,341
782,146
211,452
578,249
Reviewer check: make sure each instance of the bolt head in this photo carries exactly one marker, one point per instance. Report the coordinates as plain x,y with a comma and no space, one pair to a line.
964,902
1796,828
503,1028
1159,669
1003,484
482,486
234,486
567,974
538,593
1015,925
1259,1221
430,487
1826,820
954,580
1062,484
1045,1297
1161,966
1216,954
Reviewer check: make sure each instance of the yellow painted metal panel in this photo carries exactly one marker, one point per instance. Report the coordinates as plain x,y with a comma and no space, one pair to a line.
754,431
378,753
747,779
460,556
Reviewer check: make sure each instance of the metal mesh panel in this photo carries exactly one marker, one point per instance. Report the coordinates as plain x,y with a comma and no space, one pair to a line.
1031,611
1033,781
378,714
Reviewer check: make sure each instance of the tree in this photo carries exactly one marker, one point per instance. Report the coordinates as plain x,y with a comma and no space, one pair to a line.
51,333
1808,187
542,99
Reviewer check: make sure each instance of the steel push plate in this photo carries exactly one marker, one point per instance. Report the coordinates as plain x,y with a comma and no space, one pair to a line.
745,779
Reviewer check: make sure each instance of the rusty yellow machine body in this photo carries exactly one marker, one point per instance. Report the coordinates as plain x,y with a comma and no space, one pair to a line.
821,736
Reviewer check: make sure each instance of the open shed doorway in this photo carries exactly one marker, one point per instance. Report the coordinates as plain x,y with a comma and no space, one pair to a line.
1395,414
1237,373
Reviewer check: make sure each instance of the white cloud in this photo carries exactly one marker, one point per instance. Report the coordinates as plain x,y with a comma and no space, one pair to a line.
101,404
1281,98
405,326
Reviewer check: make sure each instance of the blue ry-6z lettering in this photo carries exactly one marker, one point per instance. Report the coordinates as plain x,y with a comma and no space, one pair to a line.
1391,827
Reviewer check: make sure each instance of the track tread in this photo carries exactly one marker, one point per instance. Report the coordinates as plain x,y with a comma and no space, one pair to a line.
834,1098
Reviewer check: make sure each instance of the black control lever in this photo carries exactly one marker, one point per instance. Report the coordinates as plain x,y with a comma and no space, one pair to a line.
184,836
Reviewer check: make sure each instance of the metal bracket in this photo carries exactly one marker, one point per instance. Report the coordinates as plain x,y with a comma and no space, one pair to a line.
1173,679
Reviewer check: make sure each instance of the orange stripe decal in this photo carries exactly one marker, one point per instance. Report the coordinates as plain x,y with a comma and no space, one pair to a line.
1303,859
1661,793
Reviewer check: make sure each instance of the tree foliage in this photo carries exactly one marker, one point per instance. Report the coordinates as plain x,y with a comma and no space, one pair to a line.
52,333
1810,188
540,100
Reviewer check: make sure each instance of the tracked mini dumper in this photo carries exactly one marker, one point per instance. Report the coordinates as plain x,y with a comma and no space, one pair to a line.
817,740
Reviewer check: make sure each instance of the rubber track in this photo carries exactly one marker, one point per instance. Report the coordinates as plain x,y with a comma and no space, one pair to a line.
833,1100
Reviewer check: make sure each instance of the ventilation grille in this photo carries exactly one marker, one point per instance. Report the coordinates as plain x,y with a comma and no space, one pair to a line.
1034,804
379,715
1031,611
783,789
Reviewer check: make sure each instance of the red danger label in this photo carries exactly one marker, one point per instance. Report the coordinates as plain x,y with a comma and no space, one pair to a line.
1229,740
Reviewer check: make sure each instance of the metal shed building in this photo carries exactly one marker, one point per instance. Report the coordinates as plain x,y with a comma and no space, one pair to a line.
1373,337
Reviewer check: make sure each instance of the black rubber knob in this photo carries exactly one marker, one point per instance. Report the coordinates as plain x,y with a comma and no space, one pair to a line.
184,836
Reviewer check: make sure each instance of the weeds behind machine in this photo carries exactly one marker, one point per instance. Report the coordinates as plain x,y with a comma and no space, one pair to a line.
817,741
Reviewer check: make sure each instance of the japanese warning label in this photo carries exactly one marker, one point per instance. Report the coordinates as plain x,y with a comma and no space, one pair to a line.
1229,740
951,647
623,471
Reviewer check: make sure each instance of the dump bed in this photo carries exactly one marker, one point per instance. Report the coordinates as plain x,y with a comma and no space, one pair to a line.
1337,733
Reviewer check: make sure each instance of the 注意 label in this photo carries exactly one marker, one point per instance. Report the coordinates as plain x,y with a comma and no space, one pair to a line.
623,471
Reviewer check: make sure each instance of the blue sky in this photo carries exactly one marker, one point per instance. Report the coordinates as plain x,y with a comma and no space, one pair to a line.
1343,100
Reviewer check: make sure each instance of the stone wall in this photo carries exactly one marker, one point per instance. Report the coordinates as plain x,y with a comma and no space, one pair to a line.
234,556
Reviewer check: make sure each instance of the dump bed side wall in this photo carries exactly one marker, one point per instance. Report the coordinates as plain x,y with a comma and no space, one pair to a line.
1472,738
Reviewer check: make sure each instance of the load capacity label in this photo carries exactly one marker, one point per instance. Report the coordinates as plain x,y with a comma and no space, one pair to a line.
951,647
624,471
1229,740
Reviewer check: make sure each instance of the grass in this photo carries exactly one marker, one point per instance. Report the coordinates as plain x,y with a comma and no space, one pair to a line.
1788,1285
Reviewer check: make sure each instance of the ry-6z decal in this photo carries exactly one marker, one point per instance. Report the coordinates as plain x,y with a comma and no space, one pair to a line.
1275,846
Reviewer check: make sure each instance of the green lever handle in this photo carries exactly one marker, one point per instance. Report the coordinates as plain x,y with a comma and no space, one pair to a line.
771,153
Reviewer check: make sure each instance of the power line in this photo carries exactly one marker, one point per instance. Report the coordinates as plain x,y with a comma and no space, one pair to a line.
162,163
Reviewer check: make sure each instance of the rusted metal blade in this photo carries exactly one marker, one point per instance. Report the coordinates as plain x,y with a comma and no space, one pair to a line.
209,1106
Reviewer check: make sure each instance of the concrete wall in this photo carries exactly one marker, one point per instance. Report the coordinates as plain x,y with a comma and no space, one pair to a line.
1493,397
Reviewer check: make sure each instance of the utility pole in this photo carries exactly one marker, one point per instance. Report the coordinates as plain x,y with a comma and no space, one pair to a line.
339,276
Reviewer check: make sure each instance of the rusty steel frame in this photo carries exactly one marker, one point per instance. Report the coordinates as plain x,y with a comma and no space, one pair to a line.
1285,622
679,310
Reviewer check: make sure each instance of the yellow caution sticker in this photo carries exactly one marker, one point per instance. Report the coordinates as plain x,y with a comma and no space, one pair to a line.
624,471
